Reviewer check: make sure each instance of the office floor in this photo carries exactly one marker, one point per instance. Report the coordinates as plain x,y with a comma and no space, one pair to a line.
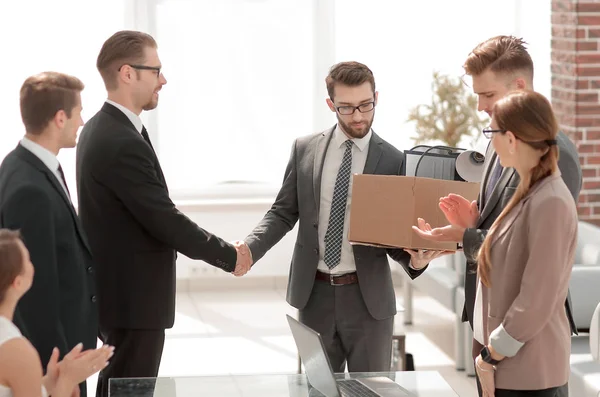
244,331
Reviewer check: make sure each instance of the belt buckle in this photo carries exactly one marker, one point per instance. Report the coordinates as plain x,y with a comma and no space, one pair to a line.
332,279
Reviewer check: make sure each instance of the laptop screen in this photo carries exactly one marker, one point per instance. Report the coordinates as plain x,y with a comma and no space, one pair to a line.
316,363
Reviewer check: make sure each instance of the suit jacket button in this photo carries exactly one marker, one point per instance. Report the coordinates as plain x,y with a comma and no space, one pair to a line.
89,269
315,225
94,299
316,251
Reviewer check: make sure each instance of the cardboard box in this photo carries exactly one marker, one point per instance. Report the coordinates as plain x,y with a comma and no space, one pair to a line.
385,207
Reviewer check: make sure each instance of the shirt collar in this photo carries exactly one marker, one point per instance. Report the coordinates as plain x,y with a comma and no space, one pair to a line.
134,118
361,143
45,155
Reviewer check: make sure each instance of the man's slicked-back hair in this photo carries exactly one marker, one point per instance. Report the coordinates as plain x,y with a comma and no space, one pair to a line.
348,73
501,55
123,47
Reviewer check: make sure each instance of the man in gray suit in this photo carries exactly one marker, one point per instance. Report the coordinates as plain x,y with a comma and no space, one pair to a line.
498,65
342,291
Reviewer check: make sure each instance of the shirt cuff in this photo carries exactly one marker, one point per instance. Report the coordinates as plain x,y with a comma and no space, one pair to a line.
503,343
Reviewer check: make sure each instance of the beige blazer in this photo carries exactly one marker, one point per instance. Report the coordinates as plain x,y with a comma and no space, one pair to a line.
532,255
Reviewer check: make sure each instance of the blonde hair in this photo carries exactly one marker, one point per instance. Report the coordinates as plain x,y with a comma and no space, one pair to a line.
501,55
529,116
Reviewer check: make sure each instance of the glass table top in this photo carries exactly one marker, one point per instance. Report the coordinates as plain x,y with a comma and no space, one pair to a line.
419,383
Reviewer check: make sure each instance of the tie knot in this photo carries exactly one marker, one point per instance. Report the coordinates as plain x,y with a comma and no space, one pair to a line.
349,143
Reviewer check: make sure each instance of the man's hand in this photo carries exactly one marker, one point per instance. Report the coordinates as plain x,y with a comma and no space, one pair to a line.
244,258
459,211
446,233
419,259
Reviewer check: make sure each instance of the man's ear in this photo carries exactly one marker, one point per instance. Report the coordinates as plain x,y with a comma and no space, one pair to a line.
330,104
376,96
60,118
520,83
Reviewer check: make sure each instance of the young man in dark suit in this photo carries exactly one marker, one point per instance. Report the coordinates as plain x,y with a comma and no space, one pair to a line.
497,66
133,226
60,310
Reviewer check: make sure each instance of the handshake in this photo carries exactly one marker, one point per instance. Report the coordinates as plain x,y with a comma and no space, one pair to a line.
244,258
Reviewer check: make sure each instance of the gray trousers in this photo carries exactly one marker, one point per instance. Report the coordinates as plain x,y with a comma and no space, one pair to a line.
350,334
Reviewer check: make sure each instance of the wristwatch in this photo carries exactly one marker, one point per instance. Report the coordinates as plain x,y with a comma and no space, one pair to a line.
486,356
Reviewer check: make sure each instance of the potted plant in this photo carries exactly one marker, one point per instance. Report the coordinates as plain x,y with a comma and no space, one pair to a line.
451,115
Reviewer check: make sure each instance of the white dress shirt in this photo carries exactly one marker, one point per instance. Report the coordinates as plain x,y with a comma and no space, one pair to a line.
331,166
48,158
134,118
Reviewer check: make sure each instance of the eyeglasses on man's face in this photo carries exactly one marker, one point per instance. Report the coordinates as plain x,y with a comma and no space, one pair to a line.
488,132
362,108
144,67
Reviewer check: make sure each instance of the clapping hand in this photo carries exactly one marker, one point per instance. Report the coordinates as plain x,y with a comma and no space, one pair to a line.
64,377
459,211
244,258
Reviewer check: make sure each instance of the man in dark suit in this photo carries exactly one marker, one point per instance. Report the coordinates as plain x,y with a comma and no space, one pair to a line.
497,66
60,309
344,292
134,228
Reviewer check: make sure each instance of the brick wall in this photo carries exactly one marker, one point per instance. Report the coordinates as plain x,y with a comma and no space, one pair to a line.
576,88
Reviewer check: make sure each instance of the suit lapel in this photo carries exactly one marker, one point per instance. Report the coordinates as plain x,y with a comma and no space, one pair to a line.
123,119
34,161
321,145
373,155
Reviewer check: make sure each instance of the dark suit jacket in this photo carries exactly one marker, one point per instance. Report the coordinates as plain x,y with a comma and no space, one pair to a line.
60,309
133,226
299,199
570,169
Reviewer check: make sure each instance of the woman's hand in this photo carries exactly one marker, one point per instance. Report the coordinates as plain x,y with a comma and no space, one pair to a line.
485,373
459,211
77,366
447,233
51,377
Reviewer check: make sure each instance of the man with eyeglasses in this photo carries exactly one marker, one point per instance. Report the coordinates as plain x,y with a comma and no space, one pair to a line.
134,228
344,292
497,66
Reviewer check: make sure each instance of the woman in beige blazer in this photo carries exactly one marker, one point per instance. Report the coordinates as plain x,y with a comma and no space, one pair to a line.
525,262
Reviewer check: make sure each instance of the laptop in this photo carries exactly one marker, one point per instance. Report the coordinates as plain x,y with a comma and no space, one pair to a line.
320,375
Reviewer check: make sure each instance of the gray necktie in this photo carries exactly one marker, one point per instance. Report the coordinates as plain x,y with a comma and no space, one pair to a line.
335,228
493,180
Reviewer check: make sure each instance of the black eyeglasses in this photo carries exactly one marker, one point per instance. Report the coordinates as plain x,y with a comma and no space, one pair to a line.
363,108
488,132
144,67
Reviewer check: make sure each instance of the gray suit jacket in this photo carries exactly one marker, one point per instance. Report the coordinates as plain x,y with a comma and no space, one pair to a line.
570,169
299,199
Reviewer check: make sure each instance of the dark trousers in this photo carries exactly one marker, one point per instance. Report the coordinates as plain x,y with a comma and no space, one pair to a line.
350,334
137,355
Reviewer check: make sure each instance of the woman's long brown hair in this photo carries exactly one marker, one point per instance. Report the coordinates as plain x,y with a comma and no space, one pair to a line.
529,116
